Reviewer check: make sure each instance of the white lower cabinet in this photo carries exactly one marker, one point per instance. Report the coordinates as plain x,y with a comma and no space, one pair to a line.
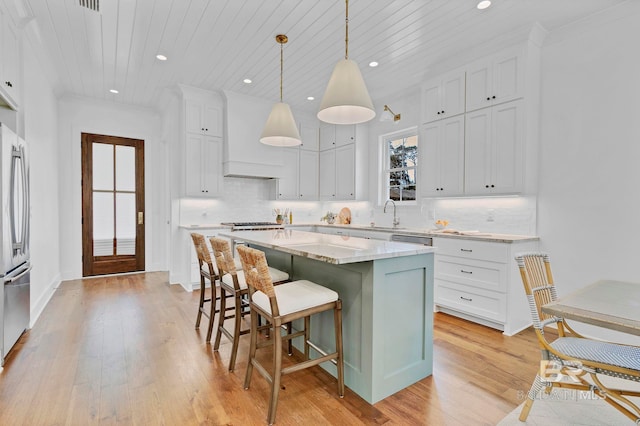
480,281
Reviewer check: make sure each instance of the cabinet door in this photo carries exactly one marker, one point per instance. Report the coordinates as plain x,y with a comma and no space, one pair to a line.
508,78
431,101
452,94
288,183
478,151
328,174
429,161
345,134
308,175
9,60
327,136
310,135
479,82
194,122
211,154
451,156
212,119
494,151
443,162
193,166
506,149
345,172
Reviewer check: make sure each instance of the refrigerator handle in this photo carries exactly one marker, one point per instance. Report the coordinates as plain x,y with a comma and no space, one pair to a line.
20,275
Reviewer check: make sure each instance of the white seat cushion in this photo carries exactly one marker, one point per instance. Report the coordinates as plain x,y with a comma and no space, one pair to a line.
296,296
215,266
276,276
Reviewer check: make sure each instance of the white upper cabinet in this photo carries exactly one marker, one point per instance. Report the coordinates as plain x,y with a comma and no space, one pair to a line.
443,97
203,117
9,61
442,165
346,172
495,80
288,182
494,150
202,130
310,136
203,161
332,135
309,170
328,175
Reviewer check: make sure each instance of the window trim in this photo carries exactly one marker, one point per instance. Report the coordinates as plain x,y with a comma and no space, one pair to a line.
383,192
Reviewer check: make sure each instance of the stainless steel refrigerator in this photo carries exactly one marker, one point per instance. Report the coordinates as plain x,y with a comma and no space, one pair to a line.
14,234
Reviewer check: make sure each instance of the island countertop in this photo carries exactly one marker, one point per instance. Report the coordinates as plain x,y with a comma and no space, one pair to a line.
334,249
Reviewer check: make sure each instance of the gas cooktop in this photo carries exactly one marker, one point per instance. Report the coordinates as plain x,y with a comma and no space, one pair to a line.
252,225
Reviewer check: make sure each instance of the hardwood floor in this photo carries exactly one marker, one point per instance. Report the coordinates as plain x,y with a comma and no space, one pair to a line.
123,349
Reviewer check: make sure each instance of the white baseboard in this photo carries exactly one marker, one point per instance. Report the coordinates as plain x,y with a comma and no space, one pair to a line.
43,300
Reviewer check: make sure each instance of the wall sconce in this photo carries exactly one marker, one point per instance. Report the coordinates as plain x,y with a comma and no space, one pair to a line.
388,115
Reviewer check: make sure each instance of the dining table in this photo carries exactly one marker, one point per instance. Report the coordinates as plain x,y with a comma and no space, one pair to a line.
605,303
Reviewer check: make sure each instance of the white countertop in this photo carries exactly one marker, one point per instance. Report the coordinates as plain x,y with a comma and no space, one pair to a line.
447,233
335,249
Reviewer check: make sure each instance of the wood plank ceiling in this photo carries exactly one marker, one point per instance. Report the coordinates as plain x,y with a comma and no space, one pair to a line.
215,44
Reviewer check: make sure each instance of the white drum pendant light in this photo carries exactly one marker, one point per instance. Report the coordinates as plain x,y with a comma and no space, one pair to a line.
346,99
281,128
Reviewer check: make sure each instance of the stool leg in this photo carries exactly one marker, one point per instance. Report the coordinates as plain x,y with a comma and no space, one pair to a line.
201,302
212,311
290,341
277,373
307,333
223,309
337,318
236,331
253,342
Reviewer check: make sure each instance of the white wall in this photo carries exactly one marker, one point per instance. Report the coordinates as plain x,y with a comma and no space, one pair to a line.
589,196
39,106
78,115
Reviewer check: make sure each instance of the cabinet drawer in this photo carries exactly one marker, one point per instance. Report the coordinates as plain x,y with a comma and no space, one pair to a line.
476,273
469,249
470,300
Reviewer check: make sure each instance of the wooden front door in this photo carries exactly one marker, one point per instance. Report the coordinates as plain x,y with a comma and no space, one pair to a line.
112,204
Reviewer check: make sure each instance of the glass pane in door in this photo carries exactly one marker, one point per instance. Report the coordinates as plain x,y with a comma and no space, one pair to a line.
125,223
103,225
125,168
102,166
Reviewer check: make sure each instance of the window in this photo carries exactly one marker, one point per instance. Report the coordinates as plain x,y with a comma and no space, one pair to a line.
399,165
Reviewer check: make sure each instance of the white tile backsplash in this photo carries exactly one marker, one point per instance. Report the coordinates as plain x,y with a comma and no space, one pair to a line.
249,200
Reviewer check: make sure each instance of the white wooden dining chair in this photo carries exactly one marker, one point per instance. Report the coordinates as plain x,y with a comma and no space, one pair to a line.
571,355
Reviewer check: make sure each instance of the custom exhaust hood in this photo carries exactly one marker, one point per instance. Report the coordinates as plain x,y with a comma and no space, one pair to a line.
244,155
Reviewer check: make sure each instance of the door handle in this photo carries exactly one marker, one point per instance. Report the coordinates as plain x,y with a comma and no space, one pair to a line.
140,218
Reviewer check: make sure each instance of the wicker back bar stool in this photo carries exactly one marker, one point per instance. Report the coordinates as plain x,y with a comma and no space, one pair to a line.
207,272
282,304
233,285
572,355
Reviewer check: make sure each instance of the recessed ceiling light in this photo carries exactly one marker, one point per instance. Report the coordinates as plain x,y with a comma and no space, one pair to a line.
484,4
247,80
310,98
373,64
161,57
113,90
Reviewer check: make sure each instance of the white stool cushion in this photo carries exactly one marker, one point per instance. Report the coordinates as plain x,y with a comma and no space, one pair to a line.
276,276
236,260
296,296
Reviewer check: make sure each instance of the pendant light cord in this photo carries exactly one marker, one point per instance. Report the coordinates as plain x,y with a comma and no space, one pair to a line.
346,35
281,70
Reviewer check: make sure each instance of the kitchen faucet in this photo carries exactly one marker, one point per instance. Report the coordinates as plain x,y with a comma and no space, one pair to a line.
396,221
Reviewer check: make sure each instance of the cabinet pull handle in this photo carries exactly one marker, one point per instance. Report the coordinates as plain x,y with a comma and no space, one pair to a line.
493,186
466,272
467,250
488,99
493,97
468,299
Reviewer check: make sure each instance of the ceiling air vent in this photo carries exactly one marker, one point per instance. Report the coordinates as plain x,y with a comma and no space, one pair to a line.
91,4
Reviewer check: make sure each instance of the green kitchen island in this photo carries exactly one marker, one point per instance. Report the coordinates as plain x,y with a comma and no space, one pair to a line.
387,299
